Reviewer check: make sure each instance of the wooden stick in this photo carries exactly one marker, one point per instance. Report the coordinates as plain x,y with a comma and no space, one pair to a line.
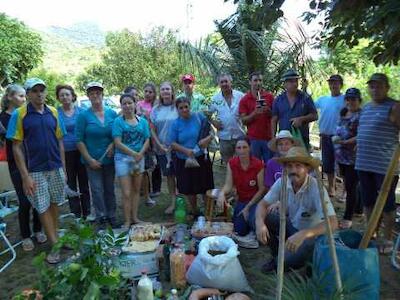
282,235
381,200
331,240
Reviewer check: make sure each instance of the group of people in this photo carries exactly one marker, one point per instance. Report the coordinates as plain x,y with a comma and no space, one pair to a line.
51,151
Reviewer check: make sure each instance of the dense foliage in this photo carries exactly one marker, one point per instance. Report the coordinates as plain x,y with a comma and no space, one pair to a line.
131,58
349,21
252,39
20,50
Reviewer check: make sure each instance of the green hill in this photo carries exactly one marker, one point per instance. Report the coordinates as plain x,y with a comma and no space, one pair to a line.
69,51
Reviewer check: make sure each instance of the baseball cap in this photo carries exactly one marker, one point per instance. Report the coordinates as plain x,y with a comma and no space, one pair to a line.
290,74
283,134
94,84
188,77
336,77
31,82
352,93
380,77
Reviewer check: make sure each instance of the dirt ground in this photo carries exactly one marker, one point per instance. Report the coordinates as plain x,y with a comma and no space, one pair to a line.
21,274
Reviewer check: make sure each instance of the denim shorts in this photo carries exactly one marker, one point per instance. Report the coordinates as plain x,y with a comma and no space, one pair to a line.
126,165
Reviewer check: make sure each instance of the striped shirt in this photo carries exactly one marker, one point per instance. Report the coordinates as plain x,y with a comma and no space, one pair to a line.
377,138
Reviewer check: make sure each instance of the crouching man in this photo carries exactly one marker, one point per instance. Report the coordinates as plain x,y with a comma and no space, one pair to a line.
305,218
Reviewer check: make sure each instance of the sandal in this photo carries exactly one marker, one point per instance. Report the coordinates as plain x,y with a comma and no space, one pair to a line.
41,238
53,258
27,244
345,224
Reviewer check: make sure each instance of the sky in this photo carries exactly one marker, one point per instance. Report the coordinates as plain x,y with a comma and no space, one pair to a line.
193,18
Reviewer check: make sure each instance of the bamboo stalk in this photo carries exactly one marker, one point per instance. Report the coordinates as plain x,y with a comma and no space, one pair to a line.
331,241
381,200
282,235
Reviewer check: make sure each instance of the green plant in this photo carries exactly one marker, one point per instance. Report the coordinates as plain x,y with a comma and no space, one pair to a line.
251,39
299,287
89,274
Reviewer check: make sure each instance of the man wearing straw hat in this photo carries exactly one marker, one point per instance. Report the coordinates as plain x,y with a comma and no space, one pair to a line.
304,212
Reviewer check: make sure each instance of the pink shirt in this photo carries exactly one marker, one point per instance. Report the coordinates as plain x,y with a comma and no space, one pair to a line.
144,108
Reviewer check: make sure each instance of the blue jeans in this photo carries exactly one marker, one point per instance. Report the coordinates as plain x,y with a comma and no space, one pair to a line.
328,154
294,260
259,149
240,225
102,189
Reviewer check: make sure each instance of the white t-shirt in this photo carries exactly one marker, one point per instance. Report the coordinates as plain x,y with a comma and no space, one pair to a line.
304,207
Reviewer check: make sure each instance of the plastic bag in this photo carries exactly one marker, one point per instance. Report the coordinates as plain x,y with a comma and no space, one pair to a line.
296,133
359,268
222,271
191,163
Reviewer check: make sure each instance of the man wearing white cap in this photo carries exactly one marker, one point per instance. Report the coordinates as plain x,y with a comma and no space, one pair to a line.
280,145
42,166
305,215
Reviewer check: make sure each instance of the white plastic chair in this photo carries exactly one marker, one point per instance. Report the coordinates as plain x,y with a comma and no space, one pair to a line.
9,247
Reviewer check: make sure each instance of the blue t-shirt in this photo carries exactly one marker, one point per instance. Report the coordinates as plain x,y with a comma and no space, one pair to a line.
132,136
94,134
69,138
329,113
185,132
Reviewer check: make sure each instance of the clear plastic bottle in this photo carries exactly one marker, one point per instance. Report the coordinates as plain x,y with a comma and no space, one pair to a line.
174,295
145,288
178,270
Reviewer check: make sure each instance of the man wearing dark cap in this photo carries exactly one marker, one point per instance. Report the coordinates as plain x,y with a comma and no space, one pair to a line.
293,108
196,99
329,113
377,139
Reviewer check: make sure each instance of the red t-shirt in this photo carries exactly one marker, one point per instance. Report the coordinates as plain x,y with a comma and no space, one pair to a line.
260,127
245,181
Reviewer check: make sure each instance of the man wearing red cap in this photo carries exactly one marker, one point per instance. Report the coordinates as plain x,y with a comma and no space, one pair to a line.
196,99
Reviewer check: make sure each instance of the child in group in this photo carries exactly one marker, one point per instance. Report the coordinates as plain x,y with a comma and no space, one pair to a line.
131,135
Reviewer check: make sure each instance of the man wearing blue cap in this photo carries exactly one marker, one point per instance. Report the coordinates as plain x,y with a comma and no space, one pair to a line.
42,165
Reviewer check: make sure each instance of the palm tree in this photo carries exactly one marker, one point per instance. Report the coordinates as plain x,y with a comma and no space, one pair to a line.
251,39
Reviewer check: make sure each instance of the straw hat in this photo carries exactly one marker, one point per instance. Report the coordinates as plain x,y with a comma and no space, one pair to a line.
283,134
299,154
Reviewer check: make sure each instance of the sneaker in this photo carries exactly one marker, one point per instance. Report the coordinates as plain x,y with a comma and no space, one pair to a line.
91,218
27,244
248,241
155,194
150,202
41,238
